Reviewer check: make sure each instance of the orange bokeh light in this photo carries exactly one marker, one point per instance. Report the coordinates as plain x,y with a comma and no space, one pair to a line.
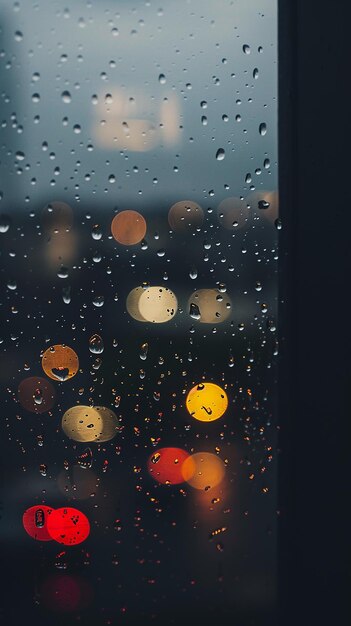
128,227
203,470
60,362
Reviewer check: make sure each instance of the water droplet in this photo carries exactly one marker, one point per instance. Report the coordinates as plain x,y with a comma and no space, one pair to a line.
162,79
220,154
193,273
255,73
278,223
96,344
38,396
194,311
246,49
263,204
98,301
63,272
5,223
271,325
85,459
262,129
96,232
66,97
62,373
143,351
66,294
43,469
61,561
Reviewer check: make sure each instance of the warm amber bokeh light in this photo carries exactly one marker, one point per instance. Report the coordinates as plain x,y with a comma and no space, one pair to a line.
157,304
234,213
36,394
265,204
212,306
60,362
185,215
128,227
203,470
132,304
77,483
57,217
90,423
207,402
165,465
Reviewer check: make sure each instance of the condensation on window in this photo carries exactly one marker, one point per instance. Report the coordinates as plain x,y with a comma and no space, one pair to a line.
139,251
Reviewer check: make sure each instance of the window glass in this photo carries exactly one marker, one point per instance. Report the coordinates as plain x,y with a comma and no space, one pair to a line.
139,229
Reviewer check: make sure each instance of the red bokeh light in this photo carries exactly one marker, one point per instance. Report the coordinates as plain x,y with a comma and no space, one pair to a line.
35,521
165,465
66,593
68,526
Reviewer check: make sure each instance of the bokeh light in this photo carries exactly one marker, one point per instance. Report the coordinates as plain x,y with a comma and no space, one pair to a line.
207,402
57,217
265,204
134,134
60,362
89,423
35,520
66,593
78,483
203,470
233,213
68,526
132,304
128,227
36,394
165,465
185,215
157,304
209,306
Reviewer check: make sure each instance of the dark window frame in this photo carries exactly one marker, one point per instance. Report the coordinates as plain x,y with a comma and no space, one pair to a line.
314,370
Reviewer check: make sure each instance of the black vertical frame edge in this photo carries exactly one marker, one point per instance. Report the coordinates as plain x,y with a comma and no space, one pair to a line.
314,313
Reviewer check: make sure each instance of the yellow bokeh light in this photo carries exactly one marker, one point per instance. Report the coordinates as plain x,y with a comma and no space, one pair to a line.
207,402
203,470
